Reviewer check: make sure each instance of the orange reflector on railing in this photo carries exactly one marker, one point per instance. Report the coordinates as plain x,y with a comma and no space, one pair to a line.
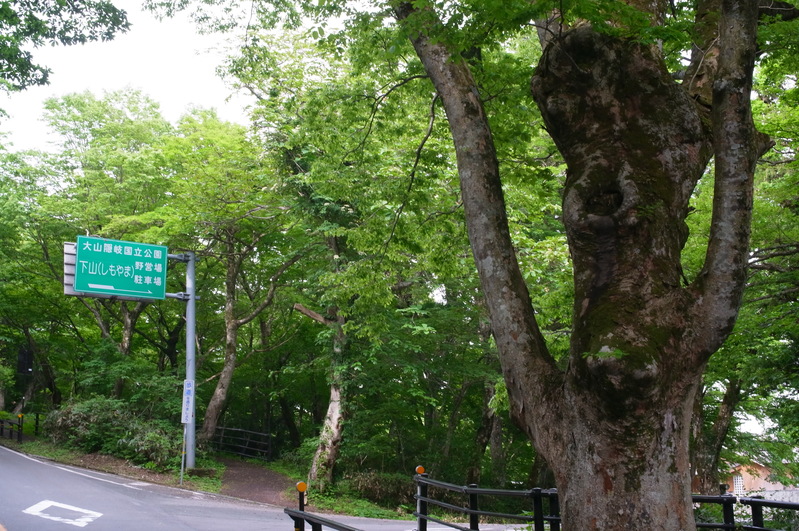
420,469
302,486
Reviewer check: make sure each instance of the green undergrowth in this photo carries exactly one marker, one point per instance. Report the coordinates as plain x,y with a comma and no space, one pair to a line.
352,496
341,499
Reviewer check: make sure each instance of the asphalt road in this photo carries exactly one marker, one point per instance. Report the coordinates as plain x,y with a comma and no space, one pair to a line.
39,495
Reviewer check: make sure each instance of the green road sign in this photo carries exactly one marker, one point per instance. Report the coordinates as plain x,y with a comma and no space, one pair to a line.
114,267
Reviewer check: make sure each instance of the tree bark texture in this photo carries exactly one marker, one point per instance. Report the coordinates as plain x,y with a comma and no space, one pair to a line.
614,425
324,460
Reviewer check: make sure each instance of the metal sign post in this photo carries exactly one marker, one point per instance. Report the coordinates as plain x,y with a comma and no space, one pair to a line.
190,353
188,417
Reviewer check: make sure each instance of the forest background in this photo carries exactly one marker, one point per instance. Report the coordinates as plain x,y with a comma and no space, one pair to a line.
338,293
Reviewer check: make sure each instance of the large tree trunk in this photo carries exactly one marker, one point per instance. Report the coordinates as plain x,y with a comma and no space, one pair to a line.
635,145
614,426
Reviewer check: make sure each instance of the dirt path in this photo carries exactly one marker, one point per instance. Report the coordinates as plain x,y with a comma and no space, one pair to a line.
254,482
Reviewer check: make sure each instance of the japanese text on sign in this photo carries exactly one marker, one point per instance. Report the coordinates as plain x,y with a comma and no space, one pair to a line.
118,267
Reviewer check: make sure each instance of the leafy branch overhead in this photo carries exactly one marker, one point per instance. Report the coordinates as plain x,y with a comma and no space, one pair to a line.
26,24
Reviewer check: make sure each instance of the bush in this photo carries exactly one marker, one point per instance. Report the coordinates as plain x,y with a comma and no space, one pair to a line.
107,426
155,442
388,490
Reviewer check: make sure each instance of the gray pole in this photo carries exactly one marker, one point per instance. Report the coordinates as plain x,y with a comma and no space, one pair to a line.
190,353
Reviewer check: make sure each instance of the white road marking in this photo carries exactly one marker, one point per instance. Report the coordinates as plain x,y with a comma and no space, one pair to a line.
128,485
134,485
85,516
20,454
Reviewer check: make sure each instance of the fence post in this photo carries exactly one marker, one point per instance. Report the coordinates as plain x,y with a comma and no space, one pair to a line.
36,425
729,511
757,513
421,502
19,427
299,523
554,510
474,518
538,510
2,427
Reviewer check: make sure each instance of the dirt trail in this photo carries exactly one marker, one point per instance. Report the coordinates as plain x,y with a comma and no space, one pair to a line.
253,482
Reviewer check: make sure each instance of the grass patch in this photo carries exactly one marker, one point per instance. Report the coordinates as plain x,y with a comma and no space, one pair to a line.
206,476
340,500
45,449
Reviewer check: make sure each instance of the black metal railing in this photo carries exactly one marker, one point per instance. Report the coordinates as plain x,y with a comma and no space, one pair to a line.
545,514
756,506
245,443
12,429
546,510
300,516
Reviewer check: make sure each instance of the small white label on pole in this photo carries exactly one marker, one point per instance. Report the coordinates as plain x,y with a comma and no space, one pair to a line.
188,401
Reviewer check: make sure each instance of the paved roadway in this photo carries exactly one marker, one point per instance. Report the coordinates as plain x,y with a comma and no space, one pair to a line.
39,495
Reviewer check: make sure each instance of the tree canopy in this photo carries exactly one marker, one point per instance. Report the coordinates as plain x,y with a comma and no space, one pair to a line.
26,24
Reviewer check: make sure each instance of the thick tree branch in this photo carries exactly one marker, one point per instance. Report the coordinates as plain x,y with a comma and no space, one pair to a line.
318,317
530,372
737,146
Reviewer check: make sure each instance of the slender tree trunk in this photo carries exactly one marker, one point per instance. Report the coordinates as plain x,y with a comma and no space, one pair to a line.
330,436
287,416
235,256
496,448
27,395
709,440
482,438
217,402
324,460
45,371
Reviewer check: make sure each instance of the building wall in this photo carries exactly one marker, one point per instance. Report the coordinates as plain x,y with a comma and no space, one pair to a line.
753,478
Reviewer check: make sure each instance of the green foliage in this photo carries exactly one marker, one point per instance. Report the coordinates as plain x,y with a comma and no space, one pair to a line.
108,426
93,425
344,499
25,24
386,490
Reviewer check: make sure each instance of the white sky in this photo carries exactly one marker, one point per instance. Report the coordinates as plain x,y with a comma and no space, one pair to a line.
167,61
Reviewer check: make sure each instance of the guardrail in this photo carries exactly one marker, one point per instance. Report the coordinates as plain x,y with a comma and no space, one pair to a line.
12,427
756,505
541,518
